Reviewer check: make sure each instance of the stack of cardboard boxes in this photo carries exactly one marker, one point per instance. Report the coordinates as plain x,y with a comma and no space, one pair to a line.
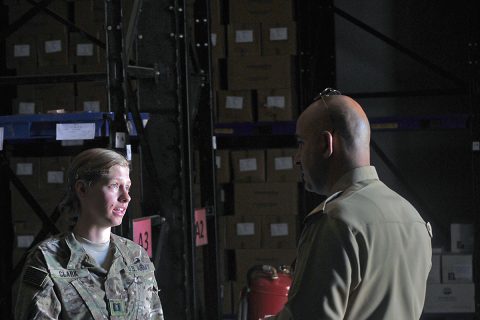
253,72
263,227
450,287
44,45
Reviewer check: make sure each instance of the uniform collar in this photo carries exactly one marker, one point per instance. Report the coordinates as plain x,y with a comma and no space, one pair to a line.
351,177
76,260
355,175
80,255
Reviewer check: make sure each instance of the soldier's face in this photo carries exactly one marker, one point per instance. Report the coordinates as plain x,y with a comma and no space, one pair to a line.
105,203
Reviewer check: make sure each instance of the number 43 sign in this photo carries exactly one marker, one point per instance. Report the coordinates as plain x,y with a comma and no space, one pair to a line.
142,233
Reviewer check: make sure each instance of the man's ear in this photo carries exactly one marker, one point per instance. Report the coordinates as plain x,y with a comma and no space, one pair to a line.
80,188
327,147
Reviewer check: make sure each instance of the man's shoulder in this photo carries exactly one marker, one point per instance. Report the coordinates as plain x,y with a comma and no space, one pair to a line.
371,204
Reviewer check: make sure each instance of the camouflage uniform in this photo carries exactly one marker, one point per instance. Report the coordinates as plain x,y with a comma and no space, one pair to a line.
60,281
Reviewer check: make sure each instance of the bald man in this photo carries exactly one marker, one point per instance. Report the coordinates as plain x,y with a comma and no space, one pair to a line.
365,252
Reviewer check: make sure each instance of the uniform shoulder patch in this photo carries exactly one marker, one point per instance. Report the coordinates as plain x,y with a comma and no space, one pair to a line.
35,277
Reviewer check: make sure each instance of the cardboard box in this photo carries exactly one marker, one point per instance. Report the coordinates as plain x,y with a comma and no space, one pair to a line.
246,73
281,166
222,164
271,198
435,275
279,231
47,96
248,165
277,104
261,10
52,48
92,97
279,38
462,237
27,169
85,52
22,53
26,103
457,268
243,232
450,298
247,258
53,174
244,39
235,106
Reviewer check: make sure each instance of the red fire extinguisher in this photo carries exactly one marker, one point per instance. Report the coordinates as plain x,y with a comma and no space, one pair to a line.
266,292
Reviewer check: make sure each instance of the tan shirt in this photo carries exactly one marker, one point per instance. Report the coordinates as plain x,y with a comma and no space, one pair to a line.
60,281
365,253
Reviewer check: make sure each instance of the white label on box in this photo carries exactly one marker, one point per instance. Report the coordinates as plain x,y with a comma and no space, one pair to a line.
213,39
283,163
278,34
276,102
55,177
463,271
53,46
249,164
21,50
92,106
75,131
24,169
233,102
26,107
218,162
1,138
279,229
243,36
85,49
245,229
450,298
24,241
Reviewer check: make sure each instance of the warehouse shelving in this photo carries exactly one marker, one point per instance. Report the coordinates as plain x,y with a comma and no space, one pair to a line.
43,126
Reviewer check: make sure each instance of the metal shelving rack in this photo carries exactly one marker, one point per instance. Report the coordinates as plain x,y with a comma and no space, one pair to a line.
168,89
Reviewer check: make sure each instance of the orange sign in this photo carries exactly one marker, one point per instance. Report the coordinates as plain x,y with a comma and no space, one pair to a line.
201,238
142,233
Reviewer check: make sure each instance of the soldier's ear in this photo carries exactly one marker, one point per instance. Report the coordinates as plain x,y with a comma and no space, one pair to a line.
80,188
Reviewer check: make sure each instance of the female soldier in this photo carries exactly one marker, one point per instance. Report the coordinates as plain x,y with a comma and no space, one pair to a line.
91,273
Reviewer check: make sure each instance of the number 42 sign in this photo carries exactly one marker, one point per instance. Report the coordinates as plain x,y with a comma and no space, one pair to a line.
201,237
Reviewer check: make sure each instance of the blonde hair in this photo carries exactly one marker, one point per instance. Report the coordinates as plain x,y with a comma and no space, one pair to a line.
89,166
